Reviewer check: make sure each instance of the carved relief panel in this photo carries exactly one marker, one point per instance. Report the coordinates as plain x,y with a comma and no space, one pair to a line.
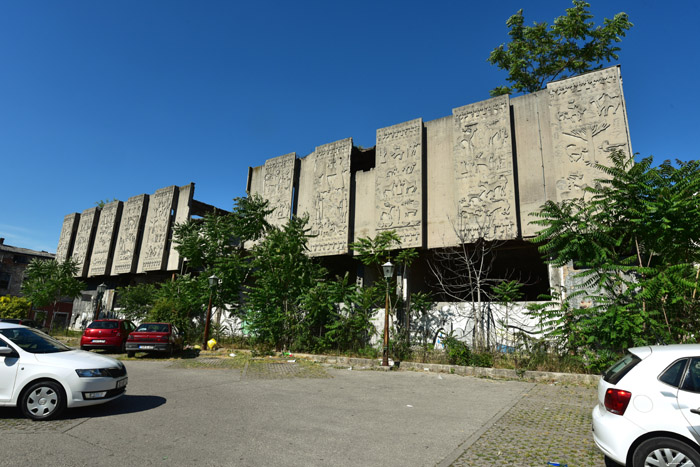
83,240
156,232
588,122
129,229
398,182
104,238
278,187
330,216
65,241
483,164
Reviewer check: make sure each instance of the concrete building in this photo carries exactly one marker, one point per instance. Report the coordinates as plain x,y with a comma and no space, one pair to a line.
478,173
13,261
125,243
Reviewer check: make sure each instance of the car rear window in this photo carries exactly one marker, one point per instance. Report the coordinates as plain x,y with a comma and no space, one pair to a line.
620,368
103,325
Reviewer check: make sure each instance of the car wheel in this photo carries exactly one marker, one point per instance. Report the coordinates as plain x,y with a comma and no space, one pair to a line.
43,400
664,452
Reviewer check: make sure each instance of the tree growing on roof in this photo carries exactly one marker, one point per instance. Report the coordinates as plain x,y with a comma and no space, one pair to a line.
541,53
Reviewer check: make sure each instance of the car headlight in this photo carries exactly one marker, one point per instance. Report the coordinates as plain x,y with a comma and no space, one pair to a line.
93,373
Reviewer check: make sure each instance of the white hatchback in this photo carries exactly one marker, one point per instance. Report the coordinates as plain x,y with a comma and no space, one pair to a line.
648,411
43,376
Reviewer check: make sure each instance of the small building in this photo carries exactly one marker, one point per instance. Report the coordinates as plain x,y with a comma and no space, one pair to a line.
13,261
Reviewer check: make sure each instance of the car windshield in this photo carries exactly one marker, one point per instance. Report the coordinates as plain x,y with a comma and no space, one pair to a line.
33,341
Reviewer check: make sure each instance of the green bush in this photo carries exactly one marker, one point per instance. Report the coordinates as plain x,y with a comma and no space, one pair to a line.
458,352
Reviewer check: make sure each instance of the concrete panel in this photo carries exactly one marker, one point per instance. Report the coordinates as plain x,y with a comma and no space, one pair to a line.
130,229
156,232
483,165
364,197
326,174
182,215
533,147
67,238
105,238
399,182
255,180
83,240
278,187
441,200
588,121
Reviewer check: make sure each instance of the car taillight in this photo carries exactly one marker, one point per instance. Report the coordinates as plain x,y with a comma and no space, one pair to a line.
163,339
617,400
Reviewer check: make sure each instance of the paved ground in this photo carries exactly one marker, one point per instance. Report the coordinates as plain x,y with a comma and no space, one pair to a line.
213,412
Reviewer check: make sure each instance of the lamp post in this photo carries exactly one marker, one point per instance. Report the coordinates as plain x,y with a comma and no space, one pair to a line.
388,270
213,282
101,289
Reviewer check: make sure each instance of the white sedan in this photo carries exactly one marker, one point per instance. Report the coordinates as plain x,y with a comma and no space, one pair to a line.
648,411
43,376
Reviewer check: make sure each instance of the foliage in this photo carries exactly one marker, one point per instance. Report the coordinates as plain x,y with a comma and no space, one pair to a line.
137,300
14,307
101,203
635,243
542,53
458,352
282,275
48,281
214,245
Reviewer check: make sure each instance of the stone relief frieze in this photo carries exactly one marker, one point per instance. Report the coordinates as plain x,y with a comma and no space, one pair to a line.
125,251
329,221
99,261
278,187
70,223
588,124
398,182
156,230
483,158
83,239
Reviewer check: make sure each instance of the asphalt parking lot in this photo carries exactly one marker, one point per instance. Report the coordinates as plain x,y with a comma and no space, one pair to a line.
281,415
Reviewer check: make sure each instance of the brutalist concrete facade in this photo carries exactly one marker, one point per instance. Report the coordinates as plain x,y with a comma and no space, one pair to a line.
478,173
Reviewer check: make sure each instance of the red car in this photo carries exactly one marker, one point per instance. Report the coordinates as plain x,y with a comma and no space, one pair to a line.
107,334
154,337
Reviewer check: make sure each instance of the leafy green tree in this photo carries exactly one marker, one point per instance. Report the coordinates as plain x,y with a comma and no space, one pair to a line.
136,301
634,241
282,274
542,53
46,282
215,245
14,307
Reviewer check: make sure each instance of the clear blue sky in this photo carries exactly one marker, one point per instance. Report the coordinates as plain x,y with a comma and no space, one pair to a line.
102,100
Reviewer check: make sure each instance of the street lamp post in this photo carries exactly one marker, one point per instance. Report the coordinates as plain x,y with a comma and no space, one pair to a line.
388,270
101,289
213,282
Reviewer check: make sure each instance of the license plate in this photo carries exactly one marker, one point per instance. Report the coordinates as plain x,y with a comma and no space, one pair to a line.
122,382
98,341
147,347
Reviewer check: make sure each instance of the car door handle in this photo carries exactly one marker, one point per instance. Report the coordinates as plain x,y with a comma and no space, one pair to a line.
695,411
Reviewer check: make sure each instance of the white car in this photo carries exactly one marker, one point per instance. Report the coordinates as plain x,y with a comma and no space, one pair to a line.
648,411
43,376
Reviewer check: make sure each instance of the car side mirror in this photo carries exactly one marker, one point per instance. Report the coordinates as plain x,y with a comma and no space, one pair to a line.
8,352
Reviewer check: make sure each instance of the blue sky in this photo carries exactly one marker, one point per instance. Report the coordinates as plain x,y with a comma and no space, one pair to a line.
103,100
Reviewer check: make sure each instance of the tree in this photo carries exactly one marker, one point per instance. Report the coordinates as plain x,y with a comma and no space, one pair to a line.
542,53
14,307
465,273
282,275
634,241
215,245
48,281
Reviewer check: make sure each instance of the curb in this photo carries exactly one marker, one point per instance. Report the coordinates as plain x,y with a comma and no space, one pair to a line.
495,373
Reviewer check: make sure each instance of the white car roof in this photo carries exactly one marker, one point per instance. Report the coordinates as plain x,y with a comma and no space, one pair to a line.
667,351
4,325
